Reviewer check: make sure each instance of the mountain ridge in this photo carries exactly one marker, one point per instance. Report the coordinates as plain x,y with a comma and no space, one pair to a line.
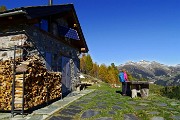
161,74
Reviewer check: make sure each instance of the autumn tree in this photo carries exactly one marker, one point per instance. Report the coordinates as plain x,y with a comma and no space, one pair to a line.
115,73
3,8
103,73
106,73
83,63
88,63
95,70
110,76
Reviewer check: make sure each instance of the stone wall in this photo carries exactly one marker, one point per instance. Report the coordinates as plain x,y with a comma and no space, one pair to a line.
49,46
34,42
46,44
7,44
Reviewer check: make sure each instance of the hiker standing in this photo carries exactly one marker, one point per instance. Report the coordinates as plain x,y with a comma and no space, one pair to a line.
123,79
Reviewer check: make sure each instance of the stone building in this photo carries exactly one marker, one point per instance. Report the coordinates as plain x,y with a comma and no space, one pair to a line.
53,33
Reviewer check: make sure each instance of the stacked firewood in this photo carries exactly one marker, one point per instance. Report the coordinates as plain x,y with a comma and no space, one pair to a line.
40,85
41,88
5,84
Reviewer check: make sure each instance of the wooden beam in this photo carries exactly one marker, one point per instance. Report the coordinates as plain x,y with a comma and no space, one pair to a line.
83,49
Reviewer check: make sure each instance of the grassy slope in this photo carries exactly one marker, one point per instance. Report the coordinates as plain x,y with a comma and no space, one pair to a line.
150,104
143,108
109,97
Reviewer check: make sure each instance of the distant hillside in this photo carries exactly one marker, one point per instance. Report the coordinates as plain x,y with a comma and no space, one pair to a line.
159,73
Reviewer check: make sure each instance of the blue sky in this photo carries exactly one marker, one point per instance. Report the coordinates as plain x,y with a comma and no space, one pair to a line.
118,31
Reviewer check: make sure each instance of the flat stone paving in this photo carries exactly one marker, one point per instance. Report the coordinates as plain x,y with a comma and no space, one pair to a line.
45,112
89,113
84,108
94,111
130,117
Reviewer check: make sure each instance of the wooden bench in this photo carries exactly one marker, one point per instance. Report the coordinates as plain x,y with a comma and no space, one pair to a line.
81,86
141,87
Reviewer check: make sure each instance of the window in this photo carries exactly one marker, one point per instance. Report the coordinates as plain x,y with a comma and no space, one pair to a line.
44,25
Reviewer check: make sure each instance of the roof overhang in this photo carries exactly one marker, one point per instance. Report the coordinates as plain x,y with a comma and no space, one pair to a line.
33,12
7,14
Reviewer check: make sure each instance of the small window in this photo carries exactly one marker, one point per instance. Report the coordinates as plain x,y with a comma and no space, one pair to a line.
44,25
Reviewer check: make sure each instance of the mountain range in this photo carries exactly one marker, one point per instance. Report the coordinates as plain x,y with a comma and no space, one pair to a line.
153,71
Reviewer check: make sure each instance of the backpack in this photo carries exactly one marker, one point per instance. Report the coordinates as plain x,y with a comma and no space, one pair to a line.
121,77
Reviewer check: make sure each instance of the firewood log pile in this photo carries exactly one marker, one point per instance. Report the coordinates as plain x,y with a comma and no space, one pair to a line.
5,85
40,85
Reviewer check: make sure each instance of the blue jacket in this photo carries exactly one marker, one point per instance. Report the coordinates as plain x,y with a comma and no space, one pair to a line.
121,77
